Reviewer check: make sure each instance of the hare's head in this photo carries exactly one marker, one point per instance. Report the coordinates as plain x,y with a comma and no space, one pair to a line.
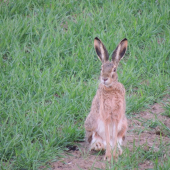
108,69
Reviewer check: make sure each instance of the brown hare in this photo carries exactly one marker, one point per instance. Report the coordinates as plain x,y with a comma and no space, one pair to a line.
106,124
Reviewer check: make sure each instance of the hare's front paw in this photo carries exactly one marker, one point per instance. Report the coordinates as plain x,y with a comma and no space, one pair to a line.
97,146
107,157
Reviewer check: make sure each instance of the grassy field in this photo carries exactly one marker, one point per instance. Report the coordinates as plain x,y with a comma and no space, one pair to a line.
49,70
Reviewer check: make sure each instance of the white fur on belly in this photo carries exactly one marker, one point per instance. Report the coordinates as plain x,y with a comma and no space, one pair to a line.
101,131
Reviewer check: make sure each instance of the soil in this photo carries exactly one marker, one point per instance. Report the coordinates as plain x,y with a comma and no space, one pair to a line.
146,123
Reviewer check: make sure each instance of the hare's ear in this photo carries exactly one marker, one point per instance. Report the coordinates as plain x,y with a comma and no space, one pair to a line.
119,51
101,50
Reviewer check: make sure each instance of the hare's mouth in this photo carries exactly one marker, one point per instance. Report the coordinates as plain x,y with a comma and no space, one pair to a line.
106,83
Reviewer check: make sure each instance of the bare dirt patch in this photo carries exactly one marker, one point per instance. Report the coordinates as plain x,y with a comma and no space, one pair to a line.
147,129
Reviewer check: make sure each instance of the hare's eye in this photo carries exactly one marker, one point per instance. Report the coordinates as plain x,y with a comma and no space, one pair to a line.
114,70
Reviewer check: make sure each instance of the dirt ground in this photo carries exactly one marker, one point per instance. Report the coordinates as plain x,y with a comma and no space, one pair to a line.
79,157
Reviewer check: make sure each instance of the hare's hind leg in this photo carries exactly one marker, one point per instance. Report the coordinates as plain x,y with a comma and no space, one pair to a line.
121,135
97,142
119,143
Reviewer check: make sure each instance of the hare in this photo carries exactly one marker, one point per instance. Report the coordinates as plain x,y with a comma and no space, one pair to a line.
106,124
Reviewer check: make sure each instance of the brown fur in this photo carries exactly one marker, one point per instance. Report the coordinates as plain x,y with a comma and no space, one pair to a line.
106,124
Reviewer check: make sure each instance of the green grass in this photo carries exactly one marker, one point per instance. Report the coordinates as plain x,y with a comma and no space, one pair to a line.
49,70
167,110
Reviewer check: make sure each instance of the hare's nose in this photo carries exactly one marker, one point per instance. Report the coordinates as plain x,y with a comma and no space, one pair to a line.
105,79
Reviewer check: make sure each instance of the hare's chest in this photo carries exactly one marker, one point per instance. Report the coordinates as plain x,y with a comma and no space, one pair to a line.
110,104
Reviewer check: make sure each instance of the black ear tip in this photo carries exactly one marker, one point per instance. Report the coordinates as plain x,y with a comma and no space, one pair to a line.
125,39
96,38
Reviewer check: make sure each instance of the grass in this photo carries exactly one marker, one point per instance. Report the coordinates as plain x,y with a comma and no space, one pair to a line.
49,70
167,110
